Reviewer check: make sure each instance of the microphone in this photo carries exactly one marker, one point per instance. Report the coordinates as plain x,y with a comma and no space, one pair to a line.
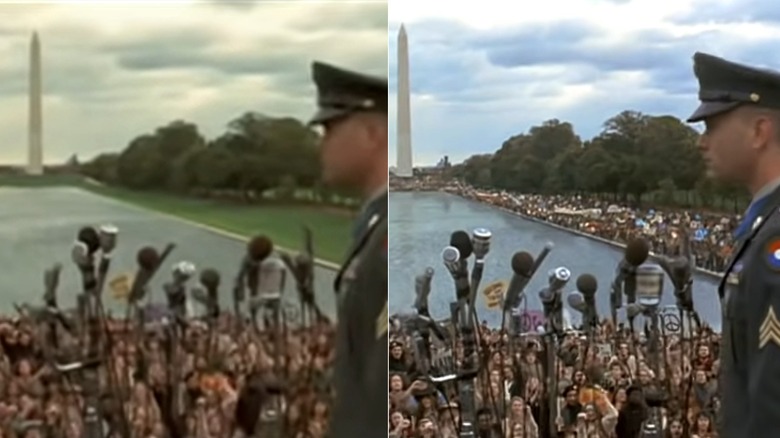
650,285
272,278
51,281
462,242
587,286
522,268
586,291
175,290
636,253
548,247
89,237
209,278
458,268
680,271
148,260
422,288
480,244
551,298
558,278
107,238
82,254
107,242
257,250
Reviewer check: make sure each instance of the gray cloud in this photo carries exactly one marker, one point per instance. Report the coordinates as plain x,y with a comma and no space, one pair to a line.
755,11
475,87
112,72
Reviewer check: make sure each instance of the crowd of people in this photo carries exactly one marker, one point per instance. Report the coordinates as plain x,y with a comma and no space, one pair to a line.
710,233
608,385
214,380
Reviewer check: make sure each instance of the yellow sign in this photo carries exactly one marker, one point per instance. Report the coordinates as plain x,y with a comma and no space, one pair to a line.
120,286
494,294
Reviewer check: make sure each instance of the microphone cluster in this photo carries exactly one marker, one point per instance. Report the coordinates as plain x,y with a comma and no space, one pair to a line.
637,287
259,280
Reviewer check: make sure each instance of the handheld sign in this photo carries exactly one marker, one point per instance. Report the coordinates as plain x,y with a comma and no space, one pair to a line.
494,294
120,286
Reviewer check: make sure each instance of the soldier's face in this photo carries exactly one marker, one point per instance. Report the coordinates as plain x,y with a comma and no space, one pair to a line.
726,146
349,150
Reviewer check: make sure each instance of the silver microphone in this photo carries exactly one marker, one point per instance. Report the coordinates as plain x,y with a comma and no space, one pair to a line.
649,284
183,271
107,235
451,258
480,241
558,278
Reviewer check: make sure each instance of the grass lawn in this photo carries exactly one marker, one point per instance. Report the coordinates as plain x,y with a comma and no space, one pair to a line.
283,224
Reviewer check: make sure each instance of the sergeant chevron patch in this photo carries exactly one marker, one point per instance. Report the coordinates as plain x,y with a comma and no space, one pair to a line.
769,330
381,322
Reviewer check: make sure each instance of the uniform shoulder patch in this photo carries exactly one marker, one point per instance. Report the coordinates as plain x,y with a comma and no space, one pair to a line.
772,253
381,322
769,331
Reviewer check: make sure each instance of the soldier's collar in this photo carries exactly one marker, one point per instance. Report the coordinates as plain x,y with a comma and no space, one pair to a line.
766,190
375,196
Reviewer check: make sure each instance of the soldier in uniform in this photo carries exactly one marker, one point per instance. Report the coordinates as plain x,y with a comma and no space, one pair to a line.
740,107
353,113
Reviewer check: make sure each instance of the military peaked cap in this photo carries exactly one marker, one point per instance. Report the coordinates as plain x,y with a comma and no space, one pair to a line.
725,85
341,92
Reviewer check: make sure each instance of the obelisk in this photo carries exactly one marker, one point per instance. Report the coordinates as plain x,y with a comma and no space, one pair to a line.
35,134
404,135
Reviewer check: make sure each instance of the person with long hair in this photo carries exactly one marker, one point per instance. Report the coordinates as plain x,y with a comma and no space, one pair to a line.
520,422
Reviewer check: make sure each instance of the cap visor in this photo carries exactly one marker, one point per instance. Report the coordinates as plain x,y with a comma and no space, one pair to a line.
326,114
709,109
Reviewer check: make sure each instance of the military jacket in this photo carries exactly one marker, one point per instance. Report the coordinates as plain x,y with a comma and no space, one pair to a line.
750,350
360,372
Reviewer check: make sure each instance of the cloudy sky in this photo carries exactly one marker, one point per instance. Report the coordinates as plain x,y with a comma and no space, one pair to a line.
113,72
481,73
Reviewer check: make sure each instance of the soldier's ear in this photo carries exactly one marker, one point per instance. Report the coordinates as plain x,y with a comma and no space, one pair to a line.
376,128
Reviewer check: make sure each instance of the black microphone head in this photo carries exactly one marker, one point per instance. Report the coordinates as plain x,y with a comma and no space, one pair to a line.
209,278
89,236
637,251
147,258
522,263
462,241
259,248
587,284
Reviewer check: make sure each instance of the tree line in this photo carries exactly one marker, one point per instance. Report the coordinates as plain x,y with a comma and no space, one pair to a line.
635,158
256,156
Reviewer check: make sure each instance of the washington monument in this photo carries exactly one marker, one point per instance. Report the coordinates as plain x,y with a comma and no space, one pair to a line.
35,133
404,153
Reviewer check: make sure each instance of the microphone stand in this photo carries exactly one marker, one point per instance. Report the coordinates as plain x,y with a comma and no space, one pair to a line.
680,271
468,366
421,334
551,339
553,313
176,292
458,267
651,279
92,414
481,246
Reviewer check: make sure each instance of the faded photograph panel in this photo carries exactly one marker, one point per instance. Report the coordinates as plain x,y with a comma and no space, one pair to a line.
175,218
563,232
